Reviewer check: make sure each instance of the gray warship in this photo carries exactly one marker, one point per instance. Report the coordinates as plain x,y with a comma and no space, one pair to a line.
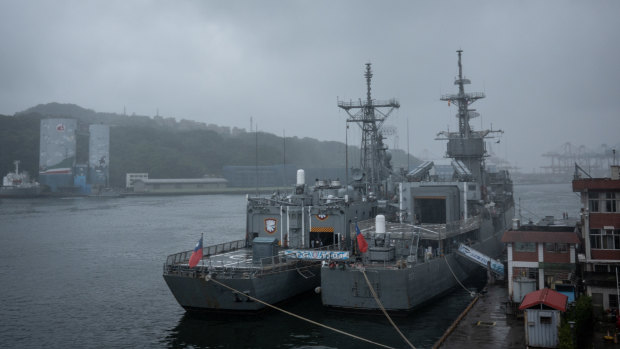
287,235
441,207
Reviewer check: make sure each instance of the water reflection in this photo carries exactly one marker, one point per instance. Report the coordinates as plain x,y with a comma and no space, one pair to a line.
272,329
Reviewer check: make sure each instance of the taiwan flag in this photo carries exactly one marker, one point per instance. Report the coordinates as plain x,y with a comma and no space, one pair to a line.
361,242
196,255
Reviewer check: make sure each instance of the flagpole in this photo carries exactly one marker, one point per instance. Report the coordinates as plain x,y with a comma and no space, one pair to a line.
202,242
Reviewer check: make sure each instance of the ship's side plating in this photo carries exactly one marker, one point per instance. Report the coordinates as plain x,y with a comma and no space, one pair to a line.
403,281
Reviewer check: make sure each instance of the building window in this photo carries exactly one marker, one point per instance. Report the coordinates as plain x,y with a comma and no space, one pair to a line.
605,240
610,202
549,247
593,201
556,247
595,239
545,320
613,301
601,268
525,247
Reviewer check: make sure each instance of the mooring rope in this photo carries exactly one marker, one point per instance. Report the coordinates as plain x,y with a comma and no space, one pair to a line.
374,294
457,279
208,278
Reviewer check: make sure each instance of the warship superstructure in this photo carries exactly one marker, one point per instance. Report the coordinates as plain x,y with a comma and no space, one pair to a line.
287,235
442,205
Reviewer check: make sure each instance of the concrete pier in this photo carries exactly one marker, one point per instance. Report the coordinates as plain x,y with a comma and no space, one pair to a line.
485,324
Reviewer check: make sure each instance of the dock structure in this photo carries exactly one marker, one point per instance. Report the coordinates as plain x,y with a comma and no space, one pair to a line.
485,324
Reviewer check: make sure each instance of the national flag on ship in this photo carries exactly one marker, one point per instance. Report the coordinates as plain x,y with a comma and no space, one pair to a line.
196,255
361,242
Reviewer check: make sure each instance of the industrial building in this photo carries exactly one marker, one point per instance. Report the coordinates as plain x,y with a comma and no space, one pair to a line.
99,155
58,170
131,178
57,153
179,186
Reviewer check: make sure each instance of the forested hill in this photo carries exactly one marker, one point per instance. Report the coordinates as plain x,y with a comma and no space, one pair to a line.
166,148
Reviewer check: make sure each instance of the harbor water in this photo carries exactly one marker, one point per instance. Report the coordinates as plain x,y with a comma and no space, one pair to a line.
87,272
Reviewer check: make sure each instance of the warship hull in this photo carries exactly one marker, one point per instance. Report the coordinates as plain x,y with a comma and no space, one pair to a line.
203,291
404,289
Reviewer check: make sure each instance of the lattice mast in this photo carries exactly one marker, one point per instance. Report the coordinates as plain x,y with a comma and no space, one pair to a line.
370,116
466,145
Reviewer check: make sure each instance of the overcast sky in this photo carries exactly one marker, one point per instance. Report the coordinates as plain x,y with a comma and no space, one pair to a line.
550,69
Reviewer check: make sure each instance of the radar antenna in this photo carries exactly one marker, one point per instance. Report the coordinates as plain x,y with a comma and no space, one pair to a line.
466,145
370,116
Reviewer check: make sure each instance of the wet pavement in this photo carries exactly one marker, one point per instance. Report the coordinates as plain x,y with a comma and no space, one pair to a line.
487,325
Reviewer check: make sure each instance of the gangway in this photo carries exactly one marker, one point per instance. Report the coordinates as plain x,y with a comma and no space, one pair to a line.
481,259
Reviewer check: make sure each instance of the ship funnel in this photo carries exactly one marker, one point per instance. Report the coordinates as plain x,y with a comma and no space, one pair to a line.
380,224
301,177
516,224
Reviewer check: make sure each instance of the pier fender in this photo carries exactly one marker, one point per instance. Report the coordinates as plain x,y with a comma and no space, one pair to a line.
317,290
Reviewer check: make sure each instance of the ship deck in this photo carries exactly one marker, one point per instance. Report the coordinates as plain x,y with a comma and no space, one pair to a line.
241,258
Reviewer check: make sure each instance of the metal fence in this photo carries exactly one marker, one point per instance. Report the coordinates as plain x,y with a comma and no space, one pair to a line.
440,230
178,263
183,257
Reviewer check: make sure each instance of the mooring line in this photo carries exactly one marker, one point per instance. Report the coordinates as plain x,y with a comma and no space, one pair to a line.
208,278
457,279
374,294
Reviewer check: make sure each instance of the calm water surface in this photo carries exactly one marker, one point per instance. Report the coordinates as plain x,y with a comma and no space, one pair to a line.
85,272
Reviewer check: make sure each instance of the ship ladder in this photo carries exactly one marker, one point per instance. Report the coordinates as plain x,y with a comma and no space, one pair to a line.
209,278
305,272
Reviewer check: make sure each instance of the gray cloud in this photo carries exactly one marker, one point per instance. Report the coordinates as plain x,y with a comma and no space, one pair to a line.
548,68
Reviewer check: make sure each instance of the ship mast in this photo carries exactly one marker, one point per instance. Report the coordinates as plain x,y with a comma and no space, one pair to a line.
466,145
370,116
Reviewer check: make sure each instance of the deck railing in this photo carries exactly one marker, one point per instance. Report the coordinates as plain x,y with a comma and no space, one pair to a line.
177,263
183,257
444,230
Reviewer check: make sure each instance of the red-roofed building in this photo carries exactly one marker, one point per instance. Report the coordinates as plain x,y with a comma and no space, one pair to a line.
544,298
539,257
541,315
600,218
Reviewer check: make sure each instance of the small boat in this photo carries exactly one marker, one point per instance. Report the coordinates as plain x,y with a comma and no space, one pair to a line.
19,185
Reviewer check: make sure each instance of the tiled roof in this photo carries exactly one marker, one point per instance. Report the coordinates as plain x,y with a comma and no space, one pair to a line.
540,236
545,296
595,183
